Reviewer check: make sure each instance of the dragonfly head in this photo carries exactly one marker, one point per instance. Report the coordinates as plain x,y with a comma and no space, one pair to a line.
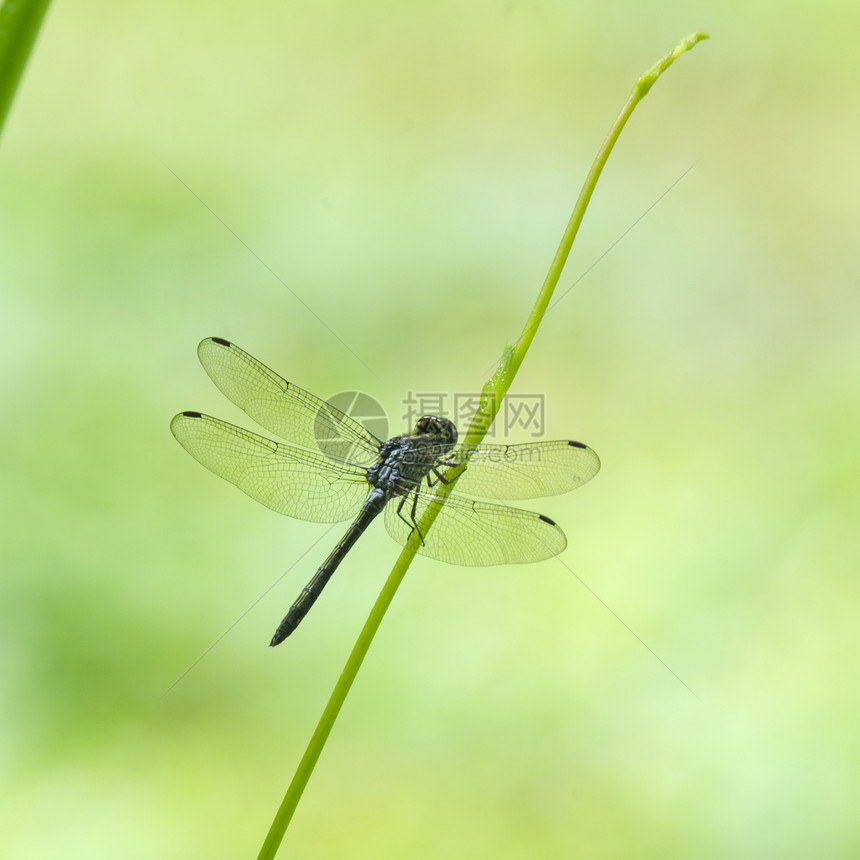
442,429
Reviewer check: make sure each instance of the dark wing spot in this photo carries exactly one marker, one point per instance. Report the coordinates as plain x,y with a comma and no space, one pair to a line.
192,414
546,519
221,341
577,444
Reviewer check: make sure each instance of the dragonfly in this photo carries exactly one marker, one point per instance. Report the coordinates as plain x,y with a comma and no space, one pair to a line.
330,468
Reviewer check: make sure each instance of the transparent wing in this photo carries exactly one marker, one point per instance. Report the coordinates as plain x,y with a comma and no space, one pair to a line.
288,480
477,533
282,407
524,471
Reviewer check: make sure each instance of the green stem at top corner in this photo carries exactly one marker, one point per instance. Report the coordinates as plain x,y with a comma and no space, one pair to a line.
20,21
513,358
491,398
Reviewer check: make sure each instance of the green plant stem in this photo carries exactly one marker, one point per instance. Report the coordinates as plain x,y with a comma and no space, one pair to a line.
20,21
332,709
491,399
639,91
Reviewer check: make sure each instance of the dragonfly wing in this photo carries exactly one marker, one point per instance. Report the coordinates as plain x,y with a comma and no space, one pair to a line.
477,533
282,407
288,480
524,471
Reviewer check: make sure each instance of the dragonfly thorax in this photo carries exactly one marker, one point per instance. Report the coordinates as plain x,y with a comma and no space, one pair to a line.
404,461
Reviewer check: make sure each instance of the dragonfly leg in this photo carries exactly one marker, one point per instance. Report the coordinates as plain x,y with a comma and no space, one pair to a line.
451,464
412,522
439,477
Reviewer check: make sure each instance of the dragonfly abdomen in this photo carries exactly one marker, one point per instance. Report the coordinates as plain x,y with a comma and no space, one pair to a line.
372,508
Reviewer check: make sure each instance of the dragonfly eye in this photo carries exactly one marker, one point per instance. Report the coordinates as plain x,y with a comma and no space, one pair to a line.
441,427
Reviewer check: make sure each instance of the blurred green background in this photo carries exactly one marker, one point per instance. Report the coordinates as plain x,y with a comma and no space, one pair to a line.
407,169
